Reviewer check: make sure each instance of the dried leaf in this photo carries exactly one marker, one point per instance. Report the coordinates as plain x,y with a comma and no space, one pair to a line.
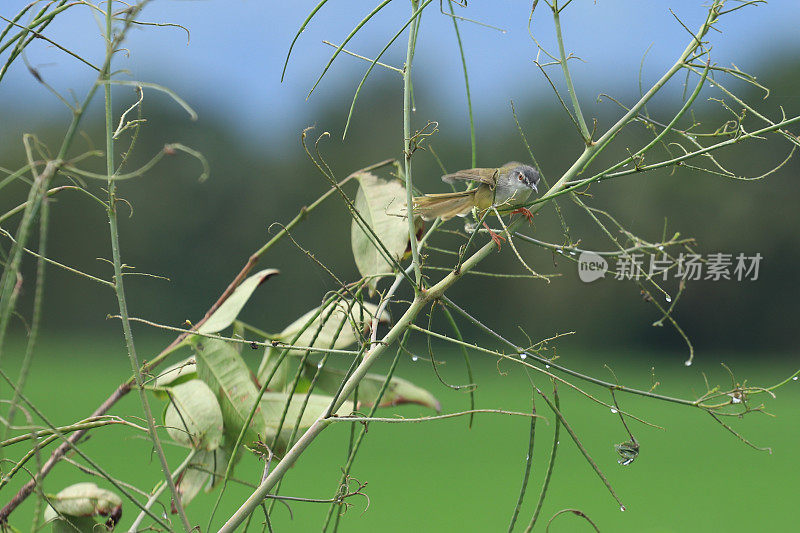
84,500
360,317
382,204
399,391
230,308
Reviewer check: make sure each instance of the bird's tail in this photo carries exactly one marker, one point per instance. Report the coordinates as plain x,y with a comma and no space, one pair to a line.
445,205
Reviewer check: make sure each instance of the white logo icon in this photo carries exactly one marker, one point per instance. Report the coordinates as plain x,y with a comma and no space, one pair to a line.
591,267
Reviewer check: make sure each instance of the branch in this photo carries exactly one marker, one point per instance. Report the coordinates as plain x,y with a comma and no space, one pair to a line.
424,297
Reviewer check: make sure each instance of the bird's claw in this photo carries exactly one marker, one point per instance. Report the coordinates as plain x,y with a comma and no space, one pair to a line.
495,237
525,212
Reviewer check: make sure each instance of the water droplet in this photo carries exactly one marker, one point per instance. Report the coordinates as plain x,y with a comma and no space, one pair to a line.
559,250
414,358
558,442
622,508
547,366
528,457
319,365
794,378
661,248
522,356
668,298
614,411
688,362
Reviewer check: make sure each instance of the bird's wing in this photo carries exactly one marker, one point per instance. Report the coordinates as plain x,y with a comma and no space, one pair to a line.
483,175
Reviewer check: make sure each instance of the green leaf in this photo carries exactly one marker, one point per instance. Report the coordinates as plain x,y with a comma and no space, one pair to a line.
84,500
224,371
76,524
230,308
399,391
198,473
272,405
281,376
193,416
346,337
176,374
382,205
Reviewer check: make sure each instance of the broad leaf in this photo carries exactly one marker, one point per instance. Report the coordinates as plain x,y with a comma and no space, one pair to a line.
399,391
224,371
281,376
230,308
181,372
193,416
84,500
76,524
272,405
360,317
198,473
382,204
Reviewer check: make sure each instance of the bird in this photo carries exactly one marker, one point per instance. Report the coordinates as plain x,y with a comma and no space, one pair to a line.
502,188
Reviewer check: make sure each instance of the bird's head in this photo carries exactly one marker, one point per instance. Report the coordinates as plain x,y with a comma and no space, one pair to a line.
527,175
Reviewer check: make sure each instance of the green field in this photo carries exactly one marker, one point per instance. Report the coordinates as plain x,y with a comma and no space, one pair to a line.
442,476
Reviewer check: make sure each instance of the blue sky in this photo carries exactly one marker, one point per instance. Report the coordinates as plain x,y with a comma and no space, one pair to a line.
232,65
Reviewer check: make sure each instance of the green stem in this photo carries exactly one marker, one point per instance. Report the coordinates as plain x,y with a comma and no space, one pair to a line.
550,464
580,446
436,291
587,137
527,474
87,424
412,233
37,316
124,388
469,97
9,278
357,442
119,286
555,366
457,333
160,490
38,477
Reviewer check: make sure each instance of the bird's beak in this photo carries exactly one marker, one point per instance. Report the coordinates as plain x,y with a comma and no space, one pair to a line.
535,188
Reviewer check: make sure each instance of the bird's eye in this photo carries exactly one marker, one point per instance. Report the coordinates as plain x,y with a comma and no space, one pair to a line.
520,177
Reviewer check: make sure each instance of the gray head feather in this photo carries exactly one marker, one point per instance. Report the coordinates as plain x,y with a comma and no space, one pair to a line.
530,176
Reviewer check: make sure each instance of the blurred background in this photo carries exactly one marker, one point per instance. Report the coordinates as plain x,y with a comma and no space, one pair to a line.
200,234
